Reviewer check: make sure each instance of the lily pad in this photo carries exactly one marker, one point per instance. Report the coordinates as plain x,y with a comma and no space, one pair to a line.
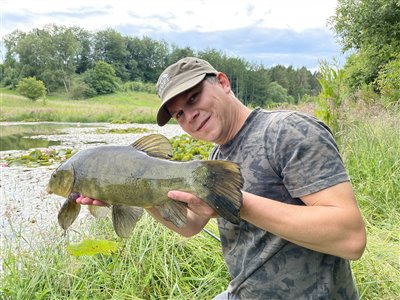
92,247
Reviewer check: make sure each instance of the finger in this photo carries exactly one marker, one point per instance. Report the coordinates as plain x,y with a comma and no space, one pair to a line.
183,197
99,203
84,200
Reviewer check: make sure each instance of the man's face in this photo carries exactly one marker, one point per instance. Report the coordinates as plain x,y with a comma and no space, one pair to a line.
203,111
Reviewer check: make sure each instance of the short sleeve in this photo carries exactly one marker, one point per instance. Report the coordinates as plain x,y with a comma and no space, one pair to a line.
304,154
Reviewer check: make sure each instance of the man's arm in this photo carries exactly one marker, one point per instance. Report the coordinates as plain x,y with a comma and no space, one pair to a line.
330,222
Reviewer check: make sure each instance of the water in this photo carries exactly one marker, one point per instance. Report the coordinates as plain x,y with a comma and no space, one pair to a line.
20,136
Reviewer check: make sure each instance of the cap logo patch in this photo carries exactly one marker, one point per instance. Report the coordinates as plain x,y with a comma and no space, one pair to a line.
163,81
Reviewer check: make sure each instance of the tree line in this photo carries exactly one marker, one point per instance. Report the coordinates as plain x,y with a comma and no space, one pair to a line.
85,63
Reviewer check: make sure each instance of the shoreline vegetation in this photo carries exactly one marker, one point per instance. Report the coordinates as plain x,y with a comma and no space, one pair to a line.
156,263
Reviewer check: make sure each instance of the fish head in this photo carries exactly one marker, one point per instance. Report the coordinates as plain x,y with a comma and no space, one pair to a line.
62,180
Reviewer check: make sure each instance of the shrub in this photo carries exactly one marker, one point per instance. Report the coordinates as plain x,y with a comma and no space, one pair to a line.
389,80
101,78
31,88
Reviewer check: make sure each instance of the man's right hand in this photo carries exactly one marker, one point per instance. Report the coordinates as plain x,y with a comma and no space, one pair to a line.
83,200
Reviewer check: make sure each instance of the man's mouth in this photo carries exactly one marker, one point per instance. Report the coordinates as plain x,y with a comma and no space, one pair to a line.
203,123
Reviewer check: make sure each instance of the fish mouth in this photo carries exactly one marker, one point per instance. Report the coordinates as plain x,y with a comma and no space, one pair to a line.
49,191
203,123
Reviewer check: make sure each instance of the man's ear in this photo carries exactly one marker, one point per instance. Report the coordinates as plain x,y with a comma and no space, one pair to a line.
224,82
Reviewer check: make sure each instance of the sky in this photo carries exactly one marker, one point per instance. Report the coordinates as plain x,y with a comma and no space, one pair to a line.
267,32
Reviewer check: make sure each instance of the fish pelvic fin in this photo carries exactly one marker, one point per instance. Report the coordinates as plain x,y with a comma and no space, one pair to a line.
124,219
175,212
219,184
69,211
155,145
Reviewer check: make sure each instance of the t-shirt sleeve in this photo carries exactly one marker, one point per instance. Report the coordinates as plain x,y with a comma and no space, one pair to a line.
305,155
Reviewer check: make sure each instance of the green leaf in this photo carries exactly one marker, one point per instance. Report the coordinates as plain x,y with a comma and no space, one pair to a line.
92,247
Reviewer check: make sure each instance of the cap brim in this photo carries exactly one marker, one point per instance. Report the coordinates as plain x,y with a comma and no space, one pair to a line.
163,116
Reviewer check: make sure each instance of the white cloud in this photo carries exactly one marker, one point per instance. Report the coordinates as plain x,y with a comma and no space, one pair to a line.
184,15
253,29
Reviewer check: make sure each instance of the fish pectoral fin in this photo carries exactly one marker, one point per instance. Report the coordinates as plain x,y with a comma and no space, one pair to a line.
175,212
68,213
124,219
155,145
99,212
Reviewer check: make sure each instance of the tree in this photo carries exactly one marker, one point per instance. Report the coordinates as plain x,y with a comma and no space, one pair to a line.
370,28
150,57
31,88
277,94
389,80
110,47
101,78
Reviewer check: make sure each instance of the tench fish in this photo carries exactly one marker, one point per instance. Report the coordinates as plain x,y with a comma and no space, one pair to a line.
130,178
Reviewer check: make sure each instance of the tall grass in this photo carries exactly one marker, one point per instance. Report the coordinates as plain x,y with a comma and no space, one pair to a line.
371,148
153,263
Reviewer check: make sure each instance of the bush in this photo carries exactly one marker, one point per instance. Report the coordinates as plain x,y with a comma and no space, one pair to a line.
389,80
81,90
31,88
138,86
101,78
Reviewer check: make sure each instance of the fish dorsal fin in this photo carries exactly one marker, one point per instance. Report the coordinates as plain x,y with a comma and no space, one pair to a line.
155,145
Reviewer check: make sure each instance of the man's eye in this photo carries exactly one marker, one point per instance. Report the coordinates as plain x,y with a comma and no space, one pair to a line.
193,98
178,114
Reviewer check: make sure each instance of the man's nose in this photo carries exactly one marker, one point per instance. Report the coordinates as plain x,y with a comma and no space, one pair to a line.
191,115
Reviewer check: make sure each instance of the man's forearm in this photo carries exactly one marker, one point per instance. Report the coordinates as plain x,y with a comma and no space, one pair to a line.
328,229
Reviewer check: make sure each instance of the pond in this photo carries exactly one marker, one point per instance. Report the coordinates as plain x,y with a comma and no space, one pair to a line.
17,136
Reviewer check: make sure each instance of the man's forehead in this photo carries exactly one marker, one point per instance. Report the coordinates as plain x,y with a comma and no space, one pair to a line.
181,98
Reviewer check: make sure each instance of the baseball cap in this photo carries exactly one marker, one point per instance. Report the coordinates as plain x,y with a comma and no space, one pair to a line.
177,78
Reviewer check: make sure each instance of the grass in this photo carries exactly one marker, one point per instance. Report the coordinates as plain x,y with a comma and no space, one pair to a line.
371,150
127,107
155,263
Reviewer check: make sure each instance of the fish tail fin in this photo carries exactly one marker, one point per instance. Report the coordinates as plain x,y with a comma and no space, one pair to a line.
124,219
221,183
69,211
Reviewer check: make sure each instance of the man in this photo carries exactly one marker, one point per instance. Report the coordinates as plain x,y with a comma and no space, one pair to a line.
300,221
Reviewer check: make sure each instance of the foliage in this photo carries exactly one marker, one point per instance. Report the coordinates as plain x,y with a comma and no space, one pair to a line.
277,94
101,78
57,54
92,247
131,130
39,157
187,148
371,29
80,89
389,80
331,97
31,88
138,86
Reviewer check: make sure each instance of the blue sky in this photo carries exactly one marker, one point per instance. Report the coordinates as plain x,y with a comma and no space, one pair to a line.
268,32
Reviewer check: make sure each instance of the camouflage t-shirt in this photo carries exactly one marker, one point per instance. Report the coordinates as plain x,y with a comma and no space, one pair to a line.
283,155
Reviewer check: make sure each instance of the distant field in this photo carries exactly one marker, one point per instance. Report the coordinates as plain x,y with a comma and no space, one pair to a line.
127,107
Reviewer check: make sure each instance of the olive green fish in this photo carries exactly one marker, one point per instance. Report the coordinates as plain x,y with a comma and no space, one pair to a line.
130,178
